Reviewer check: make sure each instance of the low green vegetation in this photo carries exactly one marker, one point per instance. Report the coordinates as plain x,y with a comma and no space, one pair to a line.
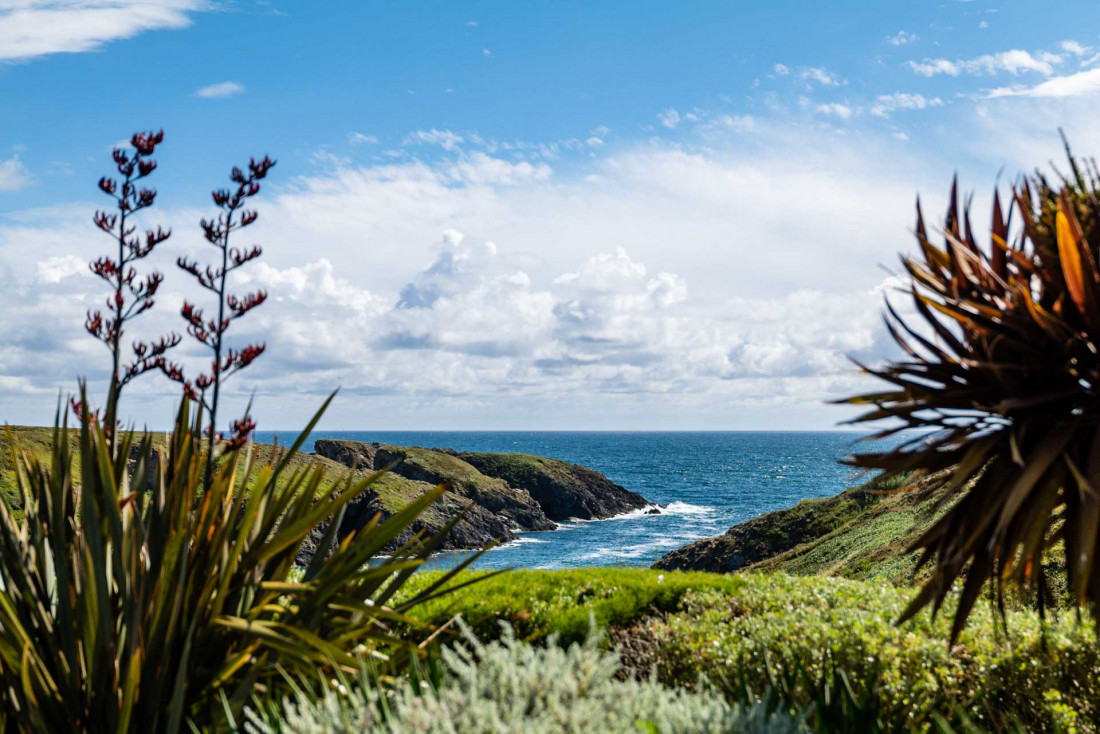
538,604
509,686
754,633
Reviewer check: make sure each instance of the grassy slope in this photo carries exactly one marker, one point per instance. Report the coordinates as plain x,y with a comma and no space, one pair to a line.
394,491
861,533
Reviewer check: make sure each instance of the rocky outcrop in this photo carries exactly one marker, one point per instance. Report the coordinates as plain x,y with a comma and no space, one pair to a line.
438,467
497,495
563,491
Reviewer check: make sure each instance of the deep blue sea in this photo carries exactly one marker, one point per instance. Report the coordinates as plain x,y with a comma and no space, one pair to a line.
709,481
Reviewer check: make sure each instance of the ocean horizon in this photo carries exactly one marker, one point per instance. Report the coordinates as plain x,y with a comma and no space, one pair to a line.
705,482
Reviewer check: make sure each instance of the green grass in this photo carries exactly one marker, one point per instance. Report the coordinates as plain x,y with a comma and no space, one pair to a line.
541,603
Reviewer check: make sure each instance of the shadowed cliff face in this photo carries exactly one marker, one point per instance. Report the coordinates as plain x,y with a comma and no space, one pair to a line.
564,491
498,495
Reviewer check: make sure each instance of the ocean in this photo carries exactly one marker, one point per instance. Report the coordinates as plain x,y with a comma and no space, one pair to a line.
708,481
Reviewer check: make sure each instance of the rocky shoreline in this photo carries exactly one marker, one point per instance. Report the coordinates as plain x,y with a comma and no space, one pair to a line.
497,495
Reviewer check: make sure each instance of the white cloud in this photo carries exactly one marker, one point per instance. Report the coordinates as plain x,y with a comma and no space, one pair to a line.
821,75
480,169
1081,84
13,174
486,52
888,103
781,69
1075,48
443,138
670,118
835,109
902,38
1014,62
220,90
57,268
33,28
356,138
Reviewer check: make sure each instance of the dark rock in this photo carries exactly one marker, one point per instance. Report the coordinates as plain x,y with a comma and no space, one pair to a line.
356,454
499,494
564,491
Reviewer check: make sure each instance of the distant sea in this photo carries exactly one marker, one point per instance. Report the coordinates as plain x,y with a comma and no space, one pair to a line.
707,480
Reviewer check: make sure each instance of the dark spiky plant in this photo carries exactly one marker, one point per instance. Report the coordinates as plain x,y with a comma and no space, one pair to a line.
1001,379
141,602
147,588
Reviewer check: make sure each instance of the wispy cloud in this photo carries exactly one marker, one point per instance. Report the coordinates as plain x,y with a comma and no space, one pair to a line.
34,28
445,139
887,103
13,174
221,90
670,118
357,138
835,109
902,38
820,75
1015,61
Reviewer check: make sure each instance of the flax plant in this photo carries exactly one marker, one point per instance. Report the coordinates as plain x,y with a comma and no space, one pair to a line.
1000,379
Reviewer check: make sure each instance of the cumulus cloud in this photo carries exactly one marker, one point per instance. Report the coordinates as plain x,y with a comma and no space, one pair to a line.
220,90
13,174
1081,84
660,283
670,118
888,103
33,28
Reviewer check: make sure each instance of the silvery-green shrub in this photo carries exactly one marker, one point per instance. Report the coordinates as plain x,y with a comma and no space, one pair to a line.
510,686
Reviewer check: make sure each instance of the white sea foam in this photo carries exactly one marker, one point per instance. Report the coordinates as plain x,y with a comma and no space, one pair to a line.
685,508
521,540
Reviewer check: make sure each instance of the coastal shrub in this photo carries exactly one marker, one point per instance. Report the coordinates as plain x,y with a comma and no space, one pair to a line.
511,686
999,385
754,633
819,627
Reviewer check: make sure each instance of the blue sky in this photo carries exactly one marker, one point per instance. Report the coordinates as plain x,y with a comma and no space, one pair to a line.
525,215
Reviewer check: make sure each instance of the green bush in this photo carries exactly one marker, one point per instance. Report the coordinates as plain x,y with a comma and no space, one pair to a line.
510,686
778,623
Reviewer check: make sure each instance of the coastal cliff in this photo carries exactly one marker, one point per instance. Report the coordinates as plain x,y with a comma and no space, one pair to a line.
500,494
